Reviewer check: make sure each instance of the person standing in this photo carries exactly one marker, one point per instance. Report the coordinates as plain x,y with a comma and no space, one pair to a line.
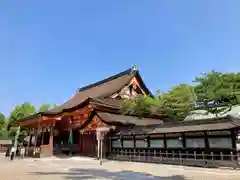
7,154
12,152
22,152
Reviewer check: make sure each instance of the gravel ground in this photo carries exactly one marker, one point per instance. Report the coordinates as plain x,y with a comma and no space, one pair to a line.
86,168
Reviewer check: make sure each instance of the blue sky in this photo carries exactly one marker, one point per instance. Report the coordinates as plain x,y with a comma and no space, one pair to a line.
48,49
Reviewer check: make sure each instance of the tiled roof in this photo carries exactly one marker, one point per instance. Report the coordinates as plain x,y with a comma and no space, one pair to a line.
221,123
101,89
125,119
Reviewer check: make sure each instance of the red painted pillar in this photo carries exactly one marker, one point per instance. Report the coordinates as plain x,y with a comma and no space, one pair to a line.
51,140
42,136
80,142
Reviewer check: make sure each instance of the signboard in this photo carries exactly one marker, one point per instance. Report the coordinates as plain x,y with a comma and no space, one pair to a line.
103,129
100,135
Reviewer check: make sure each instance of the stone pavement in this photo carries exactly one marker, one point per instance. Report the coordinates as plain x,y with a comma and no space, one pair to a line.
86,168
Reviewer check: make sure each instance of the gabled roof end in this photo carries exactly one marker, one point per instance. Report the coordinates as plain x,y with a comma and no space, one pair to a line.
134,68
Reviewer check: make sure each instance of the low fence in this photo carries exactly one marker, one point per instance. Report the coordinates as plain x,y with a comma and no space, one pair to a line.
178,158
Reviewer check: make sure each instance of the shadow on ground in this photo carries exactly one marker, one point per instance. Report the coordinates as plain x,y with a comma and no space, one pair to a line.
84,174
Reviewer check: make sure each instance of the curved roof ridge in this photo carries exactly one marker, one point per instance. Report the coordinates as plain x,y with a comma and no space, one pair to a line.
128,71
100,88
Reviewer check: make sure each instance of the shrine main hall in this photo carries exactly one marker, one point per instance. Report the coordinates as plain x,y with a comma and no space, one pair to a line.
98,106
94,106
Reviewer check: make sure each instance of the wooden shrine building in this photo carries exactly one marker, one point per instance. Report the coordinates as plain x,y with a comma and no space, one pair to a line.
209,142
150,139
96,105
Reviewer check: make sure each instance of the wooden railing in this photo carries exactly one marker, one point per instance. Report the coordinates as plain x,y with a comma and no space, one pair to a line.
178,158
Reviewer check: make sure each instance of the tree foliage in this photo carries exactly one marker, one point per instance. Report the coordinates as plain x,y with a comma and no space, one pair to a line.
2,120
3,130
175,104
21,111
217,92
214,92
218,86
44,107
178,102
4,134
141,106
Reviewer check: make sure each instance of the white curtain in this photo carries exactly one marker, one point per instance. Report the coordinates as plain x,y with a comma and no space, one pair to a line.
174,143
195,142
128,143
116,144
157,143
141,144
220,142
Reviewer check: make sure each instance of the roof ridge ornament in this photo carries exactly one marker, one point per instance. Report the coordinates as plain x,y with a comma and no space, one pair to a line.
134,68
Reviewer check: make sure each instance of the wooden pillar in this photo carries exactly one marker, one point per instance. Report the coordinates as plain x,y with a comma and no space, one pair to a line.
42,136
70,142
134,142
110,145
234,138
29,141
183,139
93,144
165,140
51,140
80,142
36,137
206,140
30,138
37,134
148,141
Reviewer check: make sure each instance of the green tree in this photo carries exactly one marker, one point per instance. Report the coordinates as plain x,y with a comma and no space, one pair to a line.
218,91
3,130
179,101
4,134
140,106
2,120
44,107
174,104
21,111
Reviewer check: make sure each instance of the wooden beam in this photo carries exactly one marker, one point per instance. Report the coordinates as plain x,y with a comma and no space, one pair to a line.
95,123
76,117
85,110
46,118
27,123
134,80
